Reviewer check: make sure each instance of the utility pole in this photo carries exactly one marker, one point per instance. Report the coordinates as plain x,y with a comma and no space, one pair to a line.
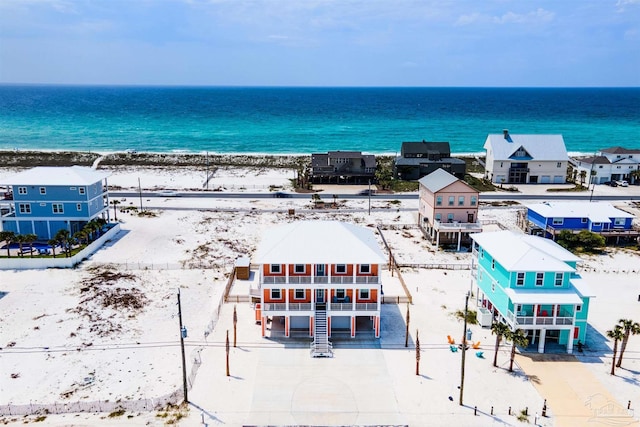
184,364
207,177
464,345
369,192
140,194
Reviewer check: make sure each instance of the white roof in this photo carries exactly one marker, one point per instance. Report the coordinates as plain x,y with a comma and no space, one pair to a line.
582,287
57,175
595,211
437,180
540,147
549,296
522,252
319,242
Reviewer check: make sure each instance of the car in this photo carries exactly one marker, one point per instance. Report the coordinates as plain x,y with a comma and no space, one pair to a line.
622,183
610,183
281,194
168,193
367,193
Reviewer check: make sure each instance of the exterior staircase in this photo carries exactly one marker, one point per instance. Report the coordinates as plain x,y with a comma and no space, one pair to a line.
321,347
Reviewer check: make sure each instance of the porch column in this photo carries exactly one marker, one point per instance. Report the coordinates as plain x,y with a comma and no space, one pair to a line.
311,326
459,238
376,321
543,333
437,239
355,295
570,341
263,323
286,273
556,309
286,299
535,314
353,326
329,326
286,326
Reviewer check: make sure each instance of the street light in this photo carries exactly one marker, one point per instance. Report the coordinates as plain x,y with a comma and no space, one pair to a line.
464,345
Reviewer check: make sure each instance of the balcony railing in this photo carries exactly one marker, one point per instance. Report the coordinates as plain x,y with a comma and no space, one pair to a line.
307,306
539,320
457,226
340,280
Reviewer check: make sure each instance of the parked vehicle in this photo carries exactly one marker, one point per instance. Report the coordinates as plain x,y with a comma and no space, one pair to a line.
610,183
622,183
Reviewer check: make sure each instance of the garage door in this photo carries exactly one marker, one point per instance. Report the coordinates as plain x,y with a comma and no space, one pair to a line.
545,179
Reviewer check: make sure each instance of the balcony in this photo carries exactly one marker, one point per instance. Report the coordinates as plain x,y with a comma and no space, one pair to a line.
339,280
523,320
307,306
455,226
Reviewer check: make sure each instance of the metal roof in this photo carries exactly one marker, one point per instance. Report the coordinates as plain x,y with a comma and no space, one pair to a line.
595,211
56,175
540,147
319,242
549,296
438,179
620,150
522,252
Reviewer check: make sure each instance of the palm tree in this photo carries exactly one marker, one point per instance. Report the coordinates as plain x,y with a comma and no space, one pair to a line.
583,177
630,328
62,237
500,330
115,210
517,338
616,334
53,243
21,239
635,175
29,239
81,236
8,237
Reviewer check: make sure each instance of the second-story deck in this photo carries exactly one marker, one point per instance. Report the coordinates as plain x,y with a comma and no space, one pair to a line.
334,280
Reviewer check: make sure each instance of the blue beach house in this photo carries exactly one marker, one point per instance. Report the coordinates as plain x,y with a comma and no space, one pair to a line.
601,218
531,283
44,200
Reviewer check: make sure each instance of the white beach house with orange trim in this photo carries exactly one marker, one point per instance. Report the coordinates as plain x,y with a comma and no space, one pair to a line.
321,278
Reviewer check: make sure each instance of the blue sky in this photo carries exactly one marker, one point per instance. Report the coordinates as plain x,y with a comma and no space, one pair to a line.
321,42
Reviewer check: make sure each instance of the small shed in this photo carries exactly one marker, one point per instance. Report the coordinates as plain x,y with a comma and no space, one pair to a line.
242,268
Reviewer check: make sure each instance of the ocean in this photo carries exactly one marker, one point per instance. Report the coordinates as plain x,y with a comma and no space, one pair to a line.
295,120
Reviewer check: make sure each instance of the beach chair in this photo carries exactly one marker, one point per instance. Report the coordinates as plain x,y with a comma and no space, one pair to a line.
451,340
453,348
476,345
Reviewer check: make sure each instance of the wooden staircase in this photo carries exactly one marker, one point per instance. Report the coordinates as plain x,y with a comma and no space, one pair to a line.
321,347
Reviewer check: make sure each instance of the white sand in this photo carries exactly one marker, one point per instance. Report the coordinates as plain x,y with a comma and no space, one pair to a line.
55,350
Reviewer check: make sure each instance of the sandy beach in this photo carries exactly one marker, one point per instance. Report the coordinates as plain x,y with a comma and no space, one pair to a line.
108,330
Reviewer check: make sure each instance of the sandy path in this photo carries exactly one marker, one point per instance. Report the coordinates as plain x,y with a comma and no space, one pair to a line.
574,395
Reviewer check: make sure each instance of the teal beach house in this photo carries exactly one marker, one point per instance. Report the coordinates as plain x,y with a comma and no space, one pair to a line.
44,200
531,283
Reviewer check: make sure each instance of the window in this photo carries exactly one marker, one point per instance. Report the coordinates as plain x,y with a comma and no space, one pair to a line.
340,293
364,294
493,264
452,200
299,294
474,200
274,268
539,279
481,253
276,294
450,217
618,221
596,224
22,190
584,220
520,279
299,268
559,165
439,201
578,308
341,269
79,206
81,190
518,309
493,286
460,200
58,208
558,221
438,217
24,208
43,190
558,281
365,268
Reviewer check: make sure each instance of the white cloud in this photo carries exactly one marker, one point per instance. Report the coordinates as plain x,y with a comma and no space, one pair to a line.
535,17
621,5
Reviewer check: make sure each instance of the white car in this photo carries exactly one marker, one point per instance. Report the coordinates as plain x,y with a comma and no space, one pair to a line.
622,183
169,193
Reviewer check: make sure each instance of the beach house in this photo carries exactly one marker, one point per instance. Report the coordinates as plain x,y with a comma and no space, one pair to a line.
610,164
343,167
551,218
44,200
320,278
418,159
447,209
531,283
525,159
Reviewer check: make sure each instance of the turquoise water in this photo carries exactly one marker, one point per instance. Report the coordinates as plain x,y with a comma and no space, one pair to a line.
306,120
